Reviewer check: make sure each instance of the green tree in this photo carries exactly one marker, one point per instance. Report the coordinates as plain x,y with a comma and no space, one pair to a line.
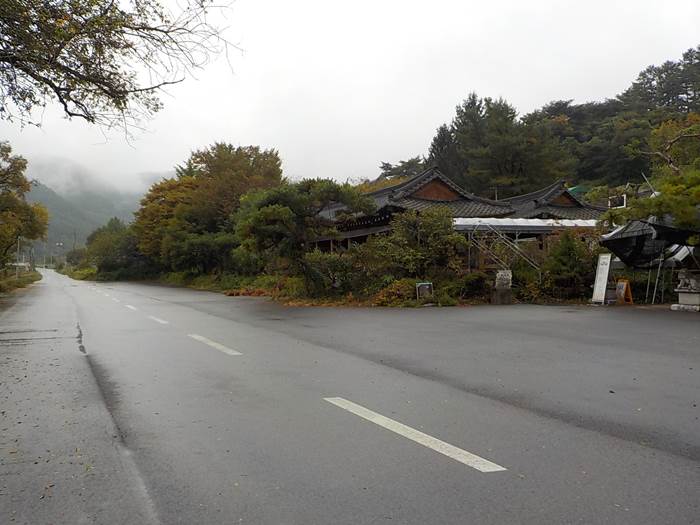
185,223
101,60
570,267
284,222
222,174
155,218
673,86
112,249
419,245
18,218
403,169
199,253
675,150
443,153
487,147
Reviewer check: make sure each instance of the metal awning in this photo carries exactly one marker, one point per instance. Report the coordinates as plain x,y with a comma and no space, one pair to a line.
515,225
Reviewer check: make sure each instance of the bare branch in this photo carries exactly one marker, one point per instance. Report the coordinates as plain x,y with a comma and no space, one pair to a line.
103,61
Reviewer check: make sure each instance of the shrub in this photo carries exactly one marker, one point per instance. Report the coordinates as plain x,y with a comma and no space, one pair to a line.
445,299
246,262
398,293
328,273
83,274
10,283
569,268
420,244
293,288
474,284
176,278
527,286
470,286
227,281
267,282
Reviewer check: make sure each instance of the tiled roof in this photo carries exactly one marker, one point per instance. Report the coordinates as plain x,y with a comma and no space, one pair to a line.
458,208
542,195
540,204
467,205
535,204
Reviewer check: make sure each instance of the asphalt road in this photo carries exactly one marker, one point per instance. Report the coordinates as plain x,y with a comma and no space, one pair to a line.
131,403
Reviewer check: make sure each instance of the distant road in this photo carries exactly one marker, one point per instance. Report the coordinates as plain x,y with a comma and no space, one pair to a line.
131,403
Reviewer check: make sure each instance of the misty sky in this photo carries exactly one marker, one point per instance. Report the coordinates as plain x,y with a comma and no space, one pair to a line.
338,87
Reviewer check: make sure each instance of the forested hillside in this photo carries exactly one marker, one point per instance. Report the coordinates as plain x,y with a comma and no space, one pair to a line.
73,216
488,148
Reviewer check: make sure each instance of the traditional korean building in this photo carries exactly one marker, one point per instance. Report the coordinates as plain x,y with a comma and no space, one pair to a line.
552,202
427,190
431,189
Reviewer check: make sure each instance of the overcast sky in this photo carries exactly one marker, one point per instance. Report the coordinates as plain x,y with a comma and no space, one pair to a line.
338,87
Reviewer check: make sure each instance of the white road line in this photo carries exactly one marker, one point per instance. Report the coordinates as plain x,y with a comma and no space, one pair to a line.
158,320
131,307
469,459
214,344
115,300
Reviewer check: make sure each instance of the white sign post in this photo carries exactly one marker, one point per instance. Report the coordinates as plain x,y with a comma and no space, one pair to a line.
601,278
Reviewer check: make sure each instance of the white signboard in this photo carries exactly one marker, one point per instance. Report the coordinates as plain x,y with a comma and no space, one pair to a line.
601,278
504,279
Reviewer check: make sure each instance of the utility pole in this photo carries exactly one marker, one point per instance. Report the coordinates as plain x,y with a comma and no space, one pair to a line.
17,259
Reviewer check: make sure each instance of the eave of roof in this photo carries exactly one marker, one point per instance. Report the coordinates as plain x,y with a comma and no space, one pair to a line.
393,194
543,194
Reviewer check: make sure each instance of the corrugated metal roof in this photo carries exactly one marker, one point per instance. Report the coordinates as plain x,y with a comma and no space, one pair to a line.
563,212
510,221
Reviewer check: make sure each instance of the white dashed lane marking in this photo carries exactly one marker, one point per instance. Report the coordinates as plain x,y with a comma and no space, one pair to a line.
157,319
214,344
469,459
131,307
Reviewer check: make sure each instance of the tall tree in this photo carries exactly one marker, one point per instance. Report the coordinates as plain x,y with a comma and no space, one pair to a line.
403,169
673,86
487,147
184,223
156,215
222,173
443,153
18,218
675,153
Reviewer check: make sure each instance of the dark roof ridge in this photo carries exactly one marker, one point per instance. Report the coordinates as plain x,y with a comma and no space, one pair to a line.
554,189
405,188
391,189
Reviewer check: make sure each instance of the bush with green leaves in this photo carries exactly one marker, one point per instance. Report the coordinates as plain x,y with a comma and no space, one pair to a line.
327,274
421,244
285,221
246,262
399,293
569,268
527,282
293,288
472,285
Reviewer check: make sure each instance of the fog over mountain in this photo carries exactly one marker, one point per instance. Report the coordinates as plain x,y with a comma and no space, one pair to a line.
66,177
79,200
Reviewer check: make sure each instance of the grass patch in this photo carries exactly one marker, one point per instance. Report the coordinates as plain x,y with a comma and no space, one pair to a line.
8,284
83,274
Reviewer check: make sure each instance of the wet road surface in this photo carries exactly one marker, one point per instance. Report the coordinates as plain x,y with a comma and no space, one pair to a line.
134,403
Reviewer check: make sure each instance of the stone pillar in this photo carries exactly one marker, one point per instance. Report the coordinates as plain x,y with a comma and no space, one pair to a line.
502,292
